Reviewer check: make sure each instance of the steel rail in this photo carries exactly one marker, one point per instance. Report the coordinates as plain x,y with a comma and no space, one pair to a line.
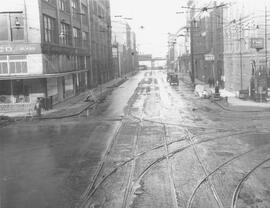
169,169
240,184
100,166
211,185
211,173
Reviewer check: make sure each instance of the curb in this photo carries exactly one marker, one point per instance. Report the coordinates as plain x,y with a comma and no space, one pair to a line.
232,110
229,109
5,120
90,106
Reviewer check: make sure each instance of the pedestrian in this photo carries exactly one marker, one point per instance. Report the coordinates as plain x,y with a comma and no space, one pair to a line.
38,107
217,87
190,75
213,82
209,82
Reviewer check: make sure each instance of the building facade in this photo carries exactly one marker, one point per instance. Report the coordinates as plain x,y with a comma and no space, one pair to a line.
207,45
125,55
100,20
45,51
244,23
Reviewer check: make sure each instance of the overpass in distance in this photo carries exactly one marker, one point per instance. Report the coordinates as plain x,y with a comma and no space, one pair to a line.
147,59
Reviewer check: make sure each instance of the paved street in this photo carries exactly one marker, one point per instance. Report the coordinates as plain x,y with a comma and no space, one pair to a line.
148,144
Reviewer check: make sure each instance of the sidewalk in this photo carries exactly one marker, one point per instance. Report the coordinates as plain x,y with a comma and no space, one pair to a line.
236,104
72,106
233,102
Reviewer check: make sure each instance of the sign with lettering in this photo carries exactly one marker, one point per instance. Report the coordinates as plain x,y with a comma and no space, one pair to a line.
209,57
20,48
257,43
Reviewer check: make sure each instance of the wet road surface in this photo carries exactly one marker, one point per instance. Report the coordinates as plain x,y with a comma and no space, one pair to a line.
148,145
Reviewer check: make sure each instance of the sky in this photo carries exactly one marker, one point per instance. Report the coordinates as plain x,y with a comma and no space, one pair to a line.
158,17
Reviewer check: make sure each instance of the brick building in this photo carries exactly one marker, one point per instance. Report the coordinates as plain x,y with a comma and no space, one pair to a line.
208,45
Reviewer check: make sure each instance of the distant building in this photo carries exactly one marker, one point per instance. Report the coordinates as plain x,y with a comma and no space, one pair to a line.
45,50
124,48
172,61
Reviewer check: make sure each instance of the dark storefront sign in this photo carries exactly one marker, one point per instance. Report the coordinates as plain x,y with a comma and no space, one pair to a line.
20,48
257,43
56,49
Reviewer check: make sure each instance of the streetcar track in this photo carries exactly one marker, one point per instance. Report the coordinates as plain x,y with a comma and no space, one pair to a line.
211,173
211,185
130,186
100,166
194,127
169,169
171,154
240,184
131,173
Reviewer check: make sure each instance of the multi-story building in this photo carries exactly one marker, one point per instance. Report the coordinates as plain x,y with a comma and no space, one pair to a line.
201,45
207,43
45,50
101,41
244,23
172,52
124,42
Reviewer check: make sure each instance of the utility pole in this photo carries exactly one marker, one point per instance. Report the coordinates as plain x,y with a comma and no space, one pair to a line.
240,54
265,38
192,52
214,46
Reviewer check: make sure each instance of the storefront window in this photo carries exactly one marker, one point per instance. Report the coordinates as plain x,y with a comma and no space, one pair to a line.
5,92
20,92
15,91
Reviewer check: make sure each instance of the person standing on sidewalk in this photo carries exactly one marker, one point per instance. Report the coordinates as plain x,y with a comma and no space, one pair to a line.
38,107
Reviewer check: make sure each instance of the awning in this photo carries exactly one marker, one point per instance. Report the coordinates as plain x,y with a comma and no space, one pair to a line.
39,76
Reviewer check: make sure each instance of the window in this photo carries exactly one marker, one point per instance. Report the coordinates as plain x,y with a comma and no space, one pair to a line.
82,62
11,26
15,64
21,91
50,1
5,91
65,34
77,37
85,39
84,14
49,29
64,5
95,8
4,27
75,9
17,28
3,65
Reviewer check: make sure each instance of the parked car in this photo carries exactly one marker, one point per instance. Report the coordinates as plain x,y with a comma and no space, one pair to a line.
169,76
174,79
